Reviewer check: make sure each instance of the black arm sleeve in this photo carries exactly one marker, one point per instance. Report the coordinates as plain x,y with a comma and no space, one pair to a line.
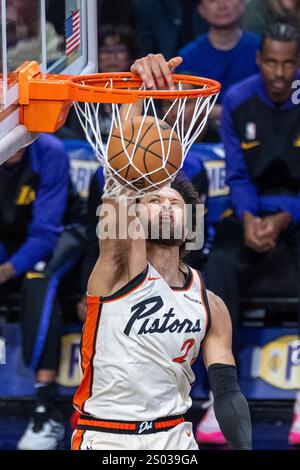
231,407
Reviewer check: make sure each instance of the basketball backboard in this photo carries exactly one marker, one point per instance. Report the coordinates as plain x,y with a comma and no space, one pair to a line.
61,35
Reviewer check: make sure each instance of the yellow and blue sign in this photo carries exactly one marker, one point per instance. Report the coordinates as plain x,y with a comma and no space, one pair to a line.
278,362
69,374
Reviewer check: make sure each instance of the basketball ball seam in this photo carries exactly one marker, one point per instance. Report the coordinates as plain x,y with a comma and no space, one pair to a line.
146,131
141,147
128,140
126,146
122,151
151,151
138,171
131,137
159,156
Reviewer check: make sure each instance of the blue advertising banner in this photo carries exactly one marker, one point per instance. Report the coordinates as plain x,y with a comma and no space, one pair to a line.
269,366
270,362
16,380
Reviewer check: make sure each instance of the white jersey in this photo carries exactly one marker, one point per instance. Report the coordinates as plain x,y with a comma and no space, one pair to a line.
138,347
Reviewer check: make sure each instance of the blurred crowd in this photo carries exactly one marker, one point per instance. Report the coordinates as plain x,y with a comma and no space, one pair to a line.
252,48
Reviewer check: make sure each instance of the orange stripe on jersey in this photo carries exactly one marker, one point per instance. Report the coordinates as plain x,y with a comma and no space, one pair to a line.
88,349
126,290
203,301
107,424
77,439
124,295
169,423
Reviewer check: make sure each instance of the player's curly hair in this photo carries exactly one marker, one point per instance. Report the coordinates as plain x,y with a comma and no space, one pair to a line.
187,190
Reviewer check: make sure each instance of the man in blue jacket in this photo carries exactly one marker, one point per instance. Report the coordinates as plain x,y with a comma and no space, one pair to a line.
41,235
261,134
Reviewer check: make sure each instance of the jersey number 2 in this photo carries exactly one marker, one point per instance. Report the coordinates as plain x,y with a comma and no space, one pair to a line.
187,346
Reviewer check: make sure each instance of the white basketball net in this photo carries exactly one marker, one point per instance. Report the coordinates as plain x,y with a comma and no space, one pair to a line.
89,115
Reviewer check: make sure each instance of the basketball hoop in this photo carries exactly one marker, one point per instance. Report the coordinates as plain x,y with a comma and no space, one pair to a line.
46,99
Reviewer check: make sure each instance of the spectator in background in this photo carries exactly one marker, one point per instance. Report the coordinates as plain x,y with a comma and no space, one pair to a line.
261,134
34,190
164,26
117,48
35,253
259,14
225,53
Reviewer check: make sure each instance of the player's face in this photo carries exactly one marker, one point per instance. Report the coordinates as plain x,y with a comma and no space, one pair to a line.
113,56
278,62
163,213
221,13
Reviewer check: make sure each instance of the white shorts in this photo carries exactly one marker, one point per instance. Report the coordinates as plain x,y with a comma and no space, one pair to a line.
180,437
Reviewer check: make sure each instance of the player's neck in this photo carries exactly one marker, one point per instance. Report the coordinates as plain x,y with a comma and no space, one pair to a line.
225,39
165,259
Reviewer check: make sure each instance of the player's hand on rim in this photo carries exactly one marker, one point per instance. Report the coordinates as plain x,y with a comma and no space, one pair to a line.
155,71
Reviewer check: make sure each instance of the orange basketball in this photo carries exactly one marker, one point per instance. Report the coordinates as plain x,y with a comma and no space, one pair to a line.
147,155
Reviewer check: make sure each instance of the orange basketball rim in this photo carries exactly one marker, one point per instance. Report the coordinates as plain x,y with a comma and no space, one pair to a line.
45,99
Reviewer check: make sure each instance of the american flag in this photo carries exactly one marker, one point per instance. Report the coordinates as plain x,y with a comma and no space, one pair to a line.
72,26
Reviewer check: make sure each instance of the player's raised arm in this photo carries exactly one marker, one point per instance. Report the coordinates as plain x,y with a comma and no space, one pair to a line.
123,257
122,246
230,405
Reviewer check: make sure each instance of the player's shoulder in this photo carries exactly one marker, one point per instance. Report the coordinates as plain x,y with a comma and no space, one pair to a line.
215,302
220,318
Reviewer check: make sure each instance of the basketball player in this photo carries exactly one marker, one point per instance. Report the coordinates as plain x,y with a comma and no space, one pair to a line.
148,314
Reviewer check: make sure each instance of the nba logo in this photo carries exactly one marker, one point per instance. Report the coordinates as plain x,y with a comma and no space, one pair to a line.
2,351
251,131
